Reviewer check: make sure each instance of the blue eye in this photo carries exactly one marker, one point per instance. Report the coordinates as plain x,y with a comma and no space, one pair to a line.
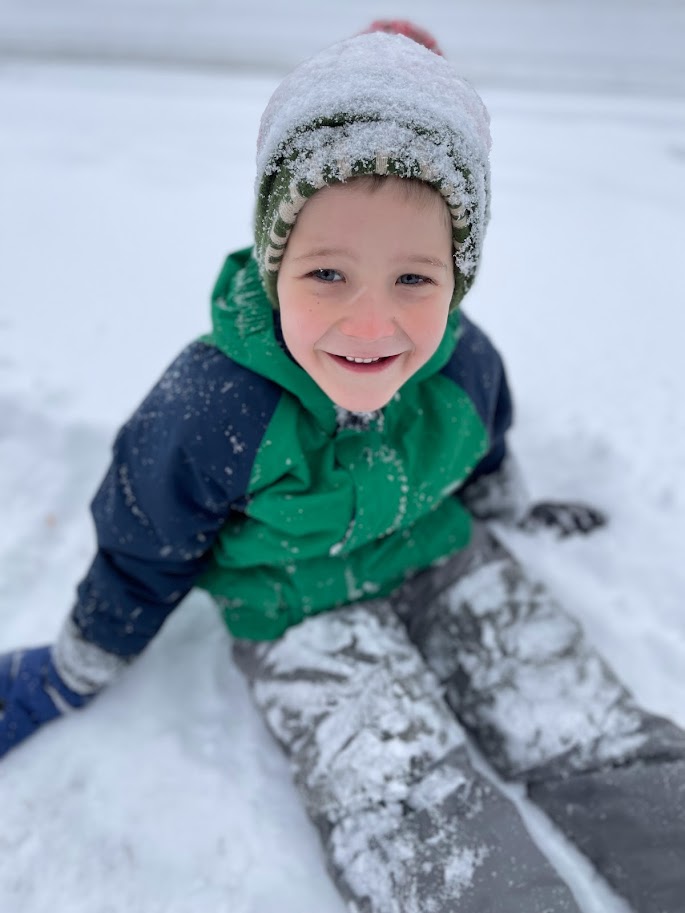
412,279
327,275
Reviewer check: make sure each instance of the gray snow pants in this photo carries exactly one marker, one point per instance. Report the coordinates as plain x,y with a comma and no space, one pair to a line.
367,703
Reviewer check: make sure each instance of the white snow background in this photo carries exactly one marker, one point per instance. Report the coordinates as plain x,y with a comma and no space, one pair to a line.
121,189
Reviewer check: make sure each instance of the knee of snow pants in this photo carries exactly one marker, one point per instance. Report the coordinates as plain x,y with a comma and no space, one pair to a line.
407,824
546,709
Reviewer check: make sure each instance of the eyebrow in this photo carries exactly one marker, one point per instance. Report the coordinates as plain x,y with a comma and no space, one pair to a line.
324,252
420,258
344,252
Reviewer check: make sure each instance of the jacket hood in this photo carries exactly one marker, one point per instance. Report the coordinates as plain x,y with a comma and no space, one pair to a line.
246,328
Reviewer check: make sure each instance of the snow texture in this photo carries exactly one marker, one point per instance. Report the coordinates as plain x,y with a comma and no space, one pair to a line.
122,189
517,667
408,825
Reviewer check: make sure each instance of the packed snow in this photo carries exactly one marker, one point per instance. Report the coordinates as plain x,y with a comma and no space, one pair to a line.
122,188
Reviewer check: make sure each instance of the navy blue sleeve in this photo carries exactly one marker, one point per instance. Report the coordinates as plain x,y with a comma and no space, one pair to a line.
477,367
181,464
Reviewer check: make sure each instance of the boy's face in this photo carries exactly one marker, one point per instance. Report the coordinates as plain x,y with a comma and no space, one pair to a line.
364,288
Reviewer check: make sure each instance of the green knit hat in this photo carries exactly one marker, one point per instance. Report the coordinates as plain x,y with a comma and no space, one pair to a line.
373,104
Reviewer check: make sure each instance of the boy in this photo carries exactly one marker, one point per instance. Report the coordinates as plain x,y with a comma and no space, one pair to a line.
335,444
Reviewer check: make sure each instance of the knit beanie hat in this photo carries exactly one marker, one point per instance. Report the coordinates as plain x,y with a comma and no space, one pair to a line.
373,104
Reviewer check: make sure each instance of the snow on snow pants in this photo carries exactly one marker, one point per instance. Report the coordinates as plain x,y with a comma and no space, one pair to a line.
367,703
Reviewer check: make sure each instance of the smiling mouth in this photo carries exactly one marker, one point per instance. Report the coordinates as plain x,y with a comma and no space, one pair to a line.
364,365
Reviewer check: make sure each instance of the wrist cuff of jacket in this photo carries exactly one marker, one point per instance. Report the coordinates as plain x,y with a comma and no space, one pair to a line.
501,495
84,667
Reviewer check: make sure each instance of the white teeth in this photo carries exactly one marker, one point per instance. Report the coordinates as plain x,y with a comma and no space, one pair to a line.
361,361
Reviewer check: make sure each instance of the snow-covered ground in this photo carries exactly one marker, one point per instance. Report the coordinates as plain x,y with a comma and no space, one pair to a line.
121,189
618,45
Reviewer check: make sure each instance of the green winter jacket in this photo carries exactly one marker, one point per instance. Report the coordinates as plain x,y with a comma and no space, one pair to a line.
334,516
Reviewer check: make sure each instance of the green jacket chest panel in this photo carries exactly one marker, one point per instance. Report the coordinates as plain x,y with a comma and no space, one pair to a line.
332,518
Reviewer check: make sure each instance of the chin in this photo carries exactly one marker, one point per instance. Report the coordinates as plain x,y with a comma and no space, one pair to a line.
362,403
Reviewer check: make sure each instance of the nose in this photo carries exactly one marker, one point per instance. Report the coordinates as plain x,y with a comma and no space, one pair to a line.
370,316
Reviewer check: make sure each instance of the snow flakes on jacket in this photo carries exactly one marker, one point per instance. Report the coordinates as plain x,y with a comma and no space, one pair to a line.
233,474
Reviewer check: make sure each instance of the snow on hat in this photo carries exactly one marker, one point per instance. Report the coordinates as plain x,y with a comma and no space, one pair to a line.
406,28
373,104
